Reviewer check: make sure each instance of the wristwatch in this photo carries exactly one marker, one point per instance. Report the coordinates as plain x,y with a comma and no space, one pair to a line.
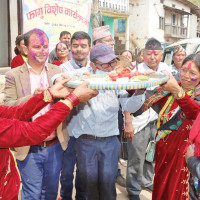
181,94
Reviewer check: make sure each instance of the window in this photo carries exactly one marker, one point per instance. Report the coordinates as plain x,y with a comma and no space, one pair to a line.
161,23
173,19
121,25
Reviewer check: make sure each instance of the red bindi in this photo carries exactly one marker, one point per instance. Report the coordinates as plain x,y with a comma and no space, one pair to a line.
189,66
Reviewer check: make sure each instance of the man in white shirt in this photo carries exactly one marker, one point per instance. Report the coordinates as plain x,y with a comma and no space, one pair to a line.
140,171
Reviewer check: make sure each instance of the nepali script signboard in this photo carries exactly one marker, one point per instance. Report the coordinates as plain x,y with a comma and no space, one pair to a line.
55,16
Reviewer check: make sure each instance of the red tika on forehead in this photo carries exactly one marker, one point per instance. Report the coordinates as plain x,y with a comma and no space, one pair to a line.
189,66
79,41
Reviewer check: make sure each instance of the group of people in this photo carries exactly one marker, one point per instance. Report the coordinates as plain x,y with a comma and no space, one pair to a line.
81,127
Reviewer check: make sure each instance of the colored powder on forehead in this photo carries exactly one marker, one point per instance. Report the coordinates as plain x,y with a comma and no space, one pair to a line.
41,36
127,54
79,41
189,66
153,51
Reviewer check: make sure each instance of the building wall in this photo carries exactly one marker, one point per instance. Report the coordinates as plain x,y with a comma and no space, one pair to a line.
192,26
3,33
156,10
139,23
177,4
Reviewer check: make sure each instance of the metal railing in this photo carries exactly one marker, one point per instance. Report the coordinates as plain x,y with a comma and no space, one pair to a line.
115,5
175,31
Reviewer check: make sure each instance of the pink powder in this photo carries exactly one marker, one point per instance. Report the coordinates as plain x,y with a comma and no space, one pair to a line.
145,59
189,66
79,41
86,53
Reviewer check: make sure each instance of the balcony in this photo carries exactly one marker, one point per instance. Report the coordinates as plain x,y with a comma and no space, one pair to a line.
121,6
175,31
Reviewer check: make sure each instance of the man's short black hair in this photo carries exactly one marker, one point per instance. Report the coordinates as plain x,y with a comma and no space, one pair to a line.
36,31
64,33
81,35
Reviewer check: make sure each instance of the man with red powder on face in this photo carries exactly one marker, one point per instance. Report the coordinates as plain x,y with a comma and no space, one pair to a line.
39,165
139,171
179,55
80,49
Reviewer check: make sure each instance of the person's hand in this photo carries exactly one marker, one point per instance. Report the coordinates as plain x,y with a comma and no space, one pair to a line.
62,77
147,72
39,91
129,131
83,93
59,90
171,85
189,153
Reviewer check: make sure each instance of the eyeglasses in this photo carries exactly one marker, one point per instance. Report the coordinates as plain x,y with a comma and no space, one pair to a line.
104,65
191,74
108,41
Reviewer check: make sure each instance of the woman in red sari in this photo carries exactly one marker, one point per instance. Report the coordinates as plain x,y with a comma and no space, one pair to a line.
21,56
15,132
177,105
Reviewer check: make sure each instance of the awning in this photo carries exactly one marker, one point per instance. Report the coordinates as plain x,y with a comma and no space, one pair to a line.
183,12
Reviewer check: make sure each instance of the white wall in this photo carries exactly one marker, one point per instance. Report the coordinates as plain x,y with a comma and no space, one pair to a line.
139,22
13,25
155,11
192,26
3,33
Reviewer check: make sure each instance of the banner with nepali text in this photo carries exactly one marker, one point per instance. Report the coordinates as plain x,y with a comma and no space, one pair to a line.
55,16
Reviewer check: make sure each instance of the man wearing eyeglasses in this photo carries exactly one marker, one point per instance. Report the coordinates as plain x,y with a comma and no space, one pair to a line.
96,130
102,35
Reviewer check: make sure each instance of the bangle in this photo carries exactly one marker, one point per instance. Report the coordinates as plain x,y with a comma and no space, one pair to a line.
73,99
67,103
50,93
46,96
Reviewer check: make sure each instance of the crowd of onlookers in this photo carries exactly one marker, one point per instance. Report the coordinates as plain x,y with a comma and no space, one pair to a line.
156,122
